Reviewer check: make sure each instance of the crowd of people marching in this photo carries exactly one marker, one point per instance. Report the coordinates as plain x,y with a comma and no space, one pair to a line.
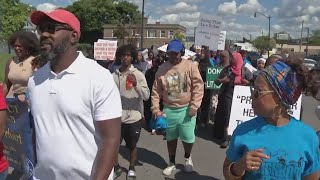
82,111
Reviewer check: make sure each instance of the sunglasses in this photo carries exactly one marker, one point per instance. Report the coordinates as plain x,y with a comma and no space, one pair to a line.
257,93
52,28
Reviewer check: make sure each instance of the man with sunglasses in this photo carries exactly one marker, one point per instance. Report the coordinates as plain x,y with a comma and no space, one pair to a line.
75,103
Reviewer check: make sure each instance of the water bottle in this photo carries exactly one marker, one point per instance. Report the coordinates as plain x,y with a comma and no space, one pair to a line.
129,84
161,122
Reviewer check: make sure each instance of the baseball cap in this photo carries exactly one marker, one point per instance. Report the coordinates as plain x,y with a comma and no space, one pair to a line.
58,15
174,46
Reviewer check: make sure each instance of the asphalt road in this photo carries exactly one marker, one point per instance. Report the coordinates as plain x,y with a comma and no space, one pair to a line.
207,156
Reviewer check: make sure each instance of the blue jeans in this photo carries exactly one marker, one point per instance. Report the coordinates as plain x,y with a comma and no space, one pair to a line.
4,174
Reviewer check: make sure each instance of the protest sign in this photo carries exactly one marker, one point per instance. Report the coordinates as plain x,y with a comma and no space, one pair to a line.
222,40
250,67
211,76
17,139
163,48
145,54
210,23
208,31
242,111
187,54
105,50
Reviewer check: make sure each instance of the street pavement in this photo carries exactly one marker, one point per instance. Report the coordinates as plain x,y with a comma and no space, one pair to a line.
206,155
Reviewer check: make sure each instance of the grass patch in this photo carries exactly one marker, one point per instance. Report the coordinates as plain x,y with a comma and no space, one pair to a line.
3,61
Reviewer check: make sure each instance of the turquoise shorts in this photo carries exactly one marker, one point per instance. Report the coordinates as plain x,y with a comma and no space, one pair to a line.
180,125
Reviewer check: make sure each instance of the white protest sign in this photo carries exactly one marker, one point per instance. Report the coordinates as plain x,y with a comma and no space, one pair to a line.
187,53
210,23
222,40
102,40
105,49
208,31
163,48
242,111
145,54
250,67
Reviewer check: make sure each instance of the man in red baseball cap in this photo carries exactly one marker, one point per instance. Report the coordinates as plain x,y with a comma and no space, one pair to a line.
75,104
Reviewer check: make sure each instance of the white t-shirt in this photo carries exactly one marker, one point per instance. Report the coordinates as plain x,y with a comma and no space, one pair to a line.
65,107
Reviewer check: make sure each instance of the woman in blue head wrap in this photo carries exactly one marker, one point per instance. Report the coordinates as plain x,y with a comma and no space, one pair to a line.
274,145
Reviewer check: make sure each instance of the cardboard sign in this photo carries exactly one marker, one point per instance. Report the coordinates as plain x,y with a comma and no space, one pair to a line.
222,40
208,31
211,76
17,139
105,50
242,111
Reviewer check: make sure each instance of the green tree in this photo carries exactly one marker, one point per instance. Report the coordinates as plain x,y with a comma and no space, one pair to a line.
262,43
181,37
315,37
13,16
93,14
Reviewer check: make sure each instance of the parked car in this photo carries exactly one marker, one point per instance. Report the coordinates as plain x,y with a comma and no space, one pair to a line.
310,63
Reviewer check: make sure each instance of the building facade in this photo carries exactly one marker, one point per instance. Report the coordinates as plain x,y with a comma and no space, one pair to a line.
296,48
153,34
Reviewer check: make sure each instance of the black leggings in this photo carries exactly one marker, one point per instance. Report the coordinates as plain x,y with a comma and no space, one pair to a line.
222,118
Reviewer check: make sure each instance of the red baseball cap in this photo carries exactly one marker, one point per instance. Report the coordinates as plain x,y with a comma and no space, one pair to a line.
58,15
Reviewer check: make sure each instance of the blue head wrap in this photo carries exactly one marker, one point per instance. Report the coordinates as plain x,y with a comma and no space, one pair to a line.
284,81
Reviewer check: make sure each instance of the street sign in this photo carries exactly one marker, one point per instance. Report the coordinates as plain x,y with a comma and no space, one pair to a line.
211,76
282,36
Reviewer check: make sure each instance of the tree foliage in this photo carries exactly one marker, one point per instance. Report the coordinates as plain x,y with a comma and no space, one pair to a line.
263,44
181,37
315,38
93,14
13,16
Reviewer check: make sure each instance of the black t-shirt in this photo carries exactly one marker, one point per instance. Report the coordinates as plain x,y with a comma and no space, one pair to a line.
226,89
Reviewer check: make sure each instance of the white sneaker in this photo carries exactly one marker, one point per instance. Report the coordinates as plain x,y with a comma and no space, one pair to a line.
131,174
167,171
188,167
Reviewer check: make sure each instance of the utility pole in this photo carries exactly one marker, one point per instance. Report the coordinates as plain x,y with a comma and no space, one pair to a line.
142,26
308,31
301,35
194,34
269,19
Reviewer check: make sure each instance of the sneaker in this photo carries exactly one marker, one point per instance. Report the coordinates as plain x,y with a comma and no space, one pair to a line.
153,132
117,172
188,167
131,175
167,171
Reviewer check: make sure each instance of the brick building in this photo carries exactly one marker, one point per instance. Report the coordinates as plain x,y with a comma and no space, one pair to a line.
154,34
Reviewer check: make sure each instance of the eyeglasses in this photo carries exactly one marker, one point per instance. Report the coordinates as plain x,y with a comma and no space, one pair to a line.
52,28
257,93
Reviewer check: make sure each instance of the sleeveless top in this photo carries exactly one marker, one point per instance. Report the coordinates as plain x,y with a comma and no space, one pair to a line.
19,73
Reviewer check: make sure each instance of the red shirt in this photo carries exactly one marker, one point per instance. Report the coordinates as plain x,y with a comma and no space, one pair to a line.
3,162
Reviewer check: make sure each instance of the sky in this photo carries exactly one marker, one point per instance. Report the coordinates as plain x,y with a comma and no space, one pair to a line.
238,15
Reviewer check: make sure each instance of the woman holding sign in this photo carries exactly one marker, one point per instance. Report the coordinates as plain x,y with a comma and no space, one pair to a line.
274,145
228,77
